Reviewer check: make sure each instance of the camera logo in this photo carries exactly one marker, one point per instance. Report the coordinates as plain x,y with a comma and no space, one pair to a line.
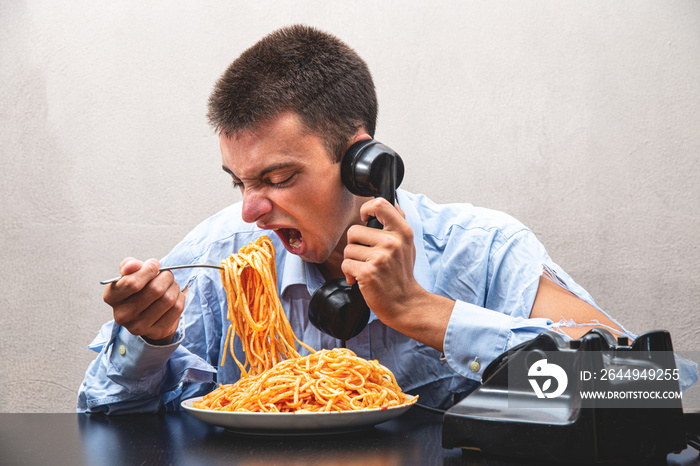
547,371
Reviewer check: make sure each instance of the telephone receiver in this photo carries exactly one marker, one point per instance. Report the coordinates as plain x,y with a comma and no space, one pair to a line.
368,168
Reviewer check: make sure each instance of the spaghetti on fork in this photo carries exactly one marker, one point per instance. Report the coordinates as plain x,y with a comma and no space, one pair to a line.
274,376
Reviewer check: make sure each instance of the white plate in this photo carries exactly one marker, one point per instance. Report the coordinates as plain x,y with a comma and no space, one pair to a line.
295,423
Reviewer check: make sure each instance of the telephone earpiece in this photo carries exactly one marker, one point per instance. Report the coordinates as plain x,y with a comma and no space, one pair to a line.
368,168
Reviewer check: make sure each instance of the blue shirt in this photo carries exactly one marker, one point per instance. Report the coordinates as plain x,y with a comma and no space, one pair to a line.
486,261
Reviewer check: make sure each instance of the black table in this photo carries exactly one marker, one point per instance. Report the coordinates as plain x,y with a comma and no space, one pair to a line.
180,439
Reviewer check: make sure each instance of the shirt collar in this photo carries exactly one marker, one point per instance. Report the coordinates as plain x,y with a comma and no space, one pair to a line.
293,271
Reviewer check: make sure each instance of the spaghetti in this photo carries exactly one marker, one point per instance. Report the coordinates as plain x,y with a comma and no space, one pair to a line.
274,376
255,310
325,381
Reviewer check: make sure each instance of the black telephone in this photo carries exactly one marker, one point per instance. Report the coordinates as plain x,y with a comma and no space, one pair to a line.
505,409
368,168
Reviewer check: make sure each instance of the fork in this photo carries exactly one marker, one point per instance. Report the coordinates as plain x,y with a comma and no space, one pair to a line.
171,267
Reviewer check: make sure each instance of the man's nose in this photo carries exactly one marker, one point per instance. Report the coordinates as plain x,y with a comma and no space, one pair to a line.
255,205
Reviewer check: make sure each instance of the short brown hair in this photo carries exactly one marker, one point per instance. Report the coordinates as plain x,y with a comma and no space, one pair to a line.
303,70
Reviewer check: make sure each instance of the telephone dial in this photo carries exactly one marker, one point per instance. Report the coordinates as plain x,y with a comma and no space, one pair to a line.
368,168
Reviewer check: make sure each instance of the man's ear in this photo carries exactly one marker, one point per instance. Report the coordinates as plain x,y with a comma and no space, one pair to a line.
360,135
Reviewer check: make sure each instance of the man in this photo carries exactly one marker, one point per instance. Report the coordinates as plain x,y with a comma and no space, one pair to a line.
450,286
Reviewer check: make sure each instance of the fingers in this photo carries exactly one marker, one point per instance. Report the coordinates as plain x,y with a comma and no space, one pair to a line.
156,319
168,322
158,292
372,245
372,254
145,301
392,217
363,271
365,263
131,269
136,275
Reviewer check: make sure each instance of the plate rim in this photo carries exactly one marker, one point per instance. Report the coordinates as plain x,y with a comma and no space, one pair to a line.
408,404
256,423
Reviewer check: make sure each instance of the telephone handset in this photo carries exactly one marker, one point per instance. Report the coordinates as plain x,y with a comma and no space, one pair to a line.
368,168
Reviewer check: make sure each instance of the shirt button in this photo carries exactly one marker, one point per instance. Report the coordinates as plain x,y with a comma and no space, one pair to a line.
475,366
122,350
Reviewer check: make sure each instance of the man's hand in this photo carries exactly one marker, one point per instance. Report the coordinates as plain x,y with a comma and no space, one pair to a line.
381,262
145,301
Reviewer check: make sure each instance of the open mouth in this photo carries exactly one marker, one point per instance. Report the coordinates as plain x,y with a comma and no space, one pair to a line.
291,236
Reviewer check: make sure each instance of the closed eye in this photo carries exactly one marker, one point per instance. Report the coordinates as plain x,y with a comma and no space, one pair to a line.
276,176
276,183
237,184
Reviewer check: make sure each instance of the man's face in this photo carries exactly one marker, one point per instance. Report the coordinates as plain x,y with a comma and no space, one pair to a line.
290,185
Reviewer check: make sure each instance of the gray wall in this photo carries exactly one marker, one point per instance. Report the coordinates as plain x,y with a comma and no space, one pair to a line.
579,118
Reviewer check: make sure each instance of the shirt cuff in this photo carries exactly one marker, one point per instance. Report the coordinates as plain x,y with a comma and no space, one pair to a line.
476,336
132,357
